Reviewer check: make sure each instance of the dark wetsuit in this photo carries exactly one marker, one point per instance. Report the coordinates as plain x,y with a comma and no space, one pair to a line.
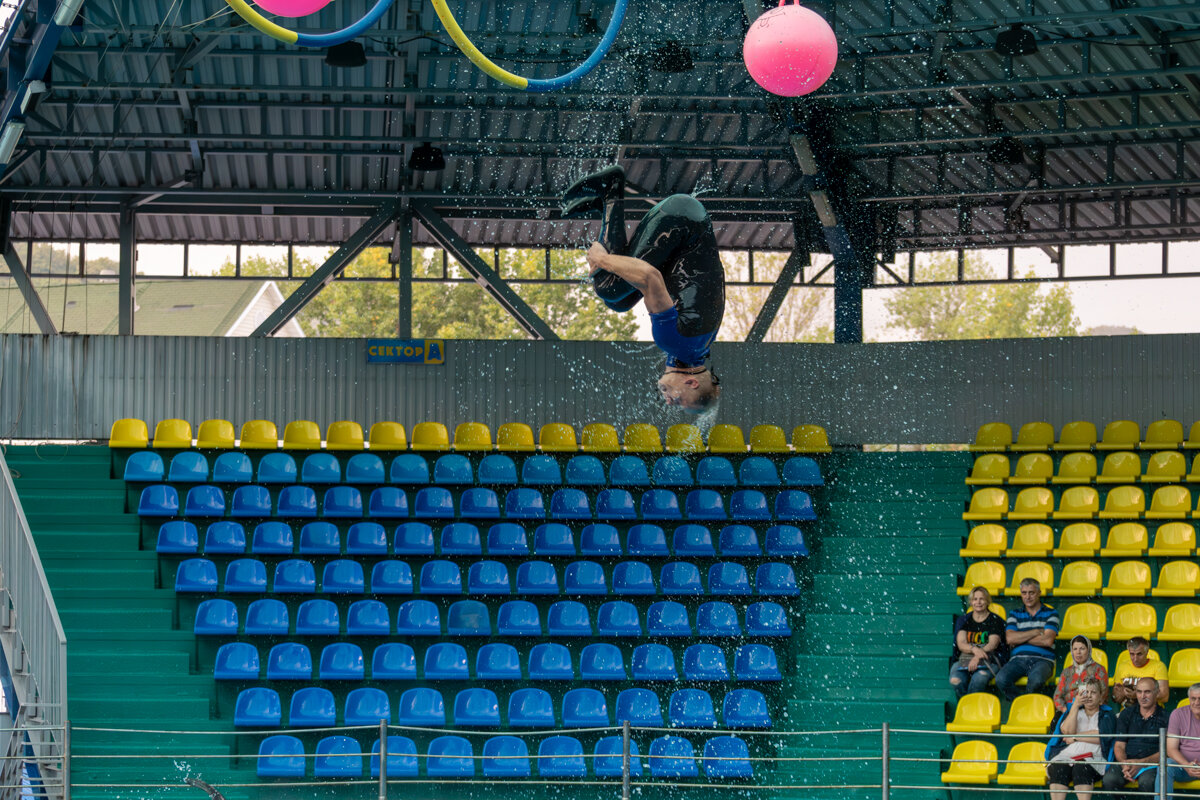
676,238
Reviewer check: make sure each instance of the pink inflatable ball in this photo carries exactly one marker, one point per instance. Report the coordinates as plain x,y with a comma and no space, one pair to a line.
291,8
790,50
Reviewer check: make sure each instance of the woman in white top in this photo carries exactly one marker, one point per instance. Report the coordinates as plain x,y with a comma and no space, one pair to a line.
1086,736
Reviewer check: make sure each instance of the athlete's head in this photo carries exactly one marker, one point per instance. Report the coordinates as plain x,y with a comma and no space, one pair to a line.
693,391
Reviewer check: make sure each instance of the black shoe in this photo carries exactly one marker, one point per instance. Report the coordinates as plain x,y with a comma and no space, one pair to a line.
606,184
583,207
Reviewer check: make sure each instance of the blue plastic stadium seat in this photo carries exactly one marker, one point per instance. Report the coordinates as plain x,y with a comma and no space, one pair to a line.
746,709
144,467
434,502
267,617
294,576
537,577
727,757
776,579
187,467
568,618
393,661
717,618
413,539
758,471
222,537
585,471
530,708
159,500
450,757
570,503
391,577
584,708
250,502
366,706
633,578
802,471
785,540
388,502
342,661
401,758
600,539
749,505
610,760
647,539
671,471
365,469
461,539
794,505
409,469
216,617
204,501
653,662
257,707
312,707
272,538
366,539
507,539
342,502
245,576
602,662
479,502
681,578
177,536
277,468
468,618
541,470
672,757
639,707
421,707
318,618
705,504
418,618
488,578
320,538
498,661
296,502
705,662
196,575
338,757
441,577
321,468
692,708
715,471
667,618
524,503
618,618
615,504
561,757
368,618
236,661
553,539
281,757
477,708
728,578
767,619
232,468
550,662
660,504
518,618
453,469
289,661
693,541
584,577
756,662
628,471
739,540
505,757
497,469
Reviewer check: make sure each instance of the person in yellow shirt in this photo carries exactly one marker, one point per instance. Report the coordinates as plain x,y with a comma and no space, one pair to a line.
1139,665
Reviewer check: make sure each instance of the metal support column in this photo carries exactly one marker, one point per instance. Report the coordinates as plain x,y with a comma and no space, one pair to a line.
125,274
885,777
1163,789
404,274
66,760
20,276
798,259
626,757
383,757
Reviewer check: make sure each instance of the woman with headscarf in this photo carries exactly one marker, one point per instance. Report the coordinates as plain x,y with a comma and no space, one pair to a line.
1082,667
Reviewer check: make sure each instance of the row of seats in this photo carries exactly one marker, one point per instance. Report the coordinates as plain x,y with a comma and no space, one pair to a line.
343,661
515,618
206,501
1080,540
724,757
315,707
977,762
1081,502
442,577
1181,624
1123,434
454,469
503,539
1084,579
556,437
979,712
992,469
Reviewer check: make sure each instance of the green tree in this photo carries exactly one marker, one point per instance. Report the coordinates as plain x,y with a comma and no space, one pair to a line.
803,317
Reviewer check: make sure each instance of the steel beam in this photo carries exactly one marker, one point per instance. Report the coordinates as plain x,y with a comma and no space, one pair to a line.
127,225
484,275
24,283
798,259
402,255
45,35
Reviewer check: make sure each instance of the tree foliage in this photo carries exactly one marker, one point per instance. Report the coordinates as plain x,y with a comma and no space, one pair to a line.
803,317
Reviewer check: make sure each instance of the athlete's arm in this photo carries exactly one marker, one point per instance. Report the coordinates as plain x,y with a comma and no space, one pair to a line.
640,274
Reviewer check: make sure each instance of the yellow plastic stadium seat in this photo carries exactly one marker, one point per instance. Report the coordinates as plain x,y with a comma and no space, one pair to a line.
998,610
1076,468
1170,502
1163,434
1086,618
973,762
1177,579
1098,655
1128,579
1036,502
129,433
1184,669
684,439
1124,502
992,437
768,439
558,437
301,434
1031,540
1033,468
1079,579
726,439
987,504
642,438
810,439
430,436
387,436
1034,436
1079,435
173,433
259,434
472,437
1040,571
1026,762
1030,714
1133,619
989,469
1193,440
985,541
1167,467
344,435
1078,502
1120,434
1121,467
600,437
515,437
991,575
1193,475
978,712
1126,539
1080,540
1182,623
215,434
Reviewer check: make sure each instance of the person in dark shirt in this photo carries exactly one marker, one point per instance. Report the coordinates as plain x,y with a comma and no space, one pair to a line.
978,645
1137,755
